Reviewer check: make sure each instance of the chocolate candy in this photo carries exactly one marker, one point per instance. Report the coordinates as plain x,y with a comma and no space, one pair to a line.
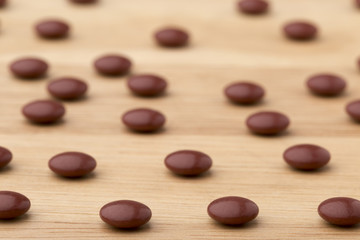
353,109
171,37
253,6
13,204
5,157
143,120
52,29
147,85
342,211
267,123
83,1
3,3
300,30
306,156
188,162
112,65
244,93
125,214
29,68
72,164
67,88
326,84
43,111
233,210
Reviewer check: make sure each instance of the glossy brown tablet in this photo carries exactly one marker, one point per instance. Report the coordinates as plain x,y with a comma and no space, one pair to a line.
244,92
13,204
5,157
67,88
172,37
112,65
353,109
326,84
43,111
72,164
52,29
147,85
143,120
253,7
300,30
29,68
267,123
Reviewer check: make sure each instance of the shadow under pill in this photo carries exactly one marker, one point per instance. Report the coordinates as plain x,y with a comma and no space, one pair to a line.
141,229
87,177
16,220
249,225
6,169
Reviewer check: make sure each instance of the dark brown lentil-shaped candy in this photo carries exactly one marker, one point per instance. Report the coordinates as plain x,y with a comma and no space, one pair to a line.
300,30
29,68
172,37
244,92
43,111
253,6
326,84
112,65
143,120
342,211
353,109
83,1
3,3
233,210
13,204
5,157
67,88
267,123
146,85
125,214
52,29
72,164
188,162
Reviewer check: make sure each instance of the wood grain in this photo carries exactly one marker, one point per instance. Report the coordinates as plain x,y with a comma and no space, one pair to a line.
226,46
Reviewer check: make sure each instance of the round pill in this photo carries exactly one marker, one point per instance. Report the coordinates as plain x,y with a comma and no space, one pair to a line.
147,85
353,109
233,210
300,30
172,37
143,120
125,214
112,65
326,84
13,204
253,6
244,92
72,164
306,156
5,157
83,1
342,211
52,29
3,3
43,111
188,162
67,88
267,123
29,68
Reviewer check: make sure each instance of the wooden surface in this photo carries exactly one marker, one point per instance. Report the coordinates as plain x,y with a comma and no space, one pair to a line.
226,47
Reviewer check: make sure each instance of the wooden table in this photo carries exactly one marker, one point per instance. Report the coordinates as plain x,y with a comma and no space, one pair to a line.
226,47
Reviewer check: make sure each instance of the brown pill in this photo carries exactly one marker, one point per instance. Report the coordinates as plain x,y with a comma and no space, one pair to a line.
357,3
233,210
83,1
67,88
244,93
29,68
253,6
43,111
342,211
353,109
112,65
3,3
358,61
13,204
147,85
5,157
188,162
300,30
306,156
143,120
326,84
172,37
267,123
72,164
125,214
52,29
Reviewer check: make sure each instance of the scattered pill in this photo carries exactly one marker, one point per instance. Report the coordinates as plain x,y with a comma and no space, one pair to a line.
29,68
300,30
67,88
306,156
326,84
353,109
125,214
52,29
267,123
358,61
253,6
72,164
43,111
143,120
147,85
112,65
172,37
357,3
3,3
83,1
188,162
13,204
244,92
342,211
5,157
233,210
